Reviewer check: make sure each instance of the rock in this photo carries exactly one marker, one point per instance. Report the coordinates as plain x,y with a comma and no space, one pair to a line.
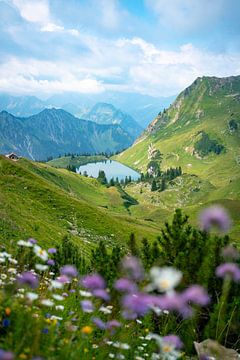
215,351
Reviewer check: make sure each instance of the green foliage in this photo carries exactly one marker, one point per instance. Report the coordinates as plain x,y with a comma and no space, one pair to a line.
154,185
205,145
102,177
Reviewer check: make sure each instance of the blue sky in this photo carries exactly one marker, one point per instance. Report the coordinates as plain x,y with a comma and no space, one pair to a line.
155,47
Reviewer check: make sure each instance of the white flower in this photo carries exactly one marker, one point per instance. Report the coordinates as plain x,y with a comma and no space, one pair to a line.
85,293
105,310
47,302
3,276
57,297
119,345
41,267
41,253
56,285
59,307
24,243
54,317
13,261
31,296
12,271
165,279
167,351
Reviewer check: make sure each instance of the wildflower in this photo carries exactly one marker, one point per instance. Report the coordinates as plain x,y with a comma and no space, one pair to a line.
85,293
228,270
32,241
167,346
136,304
173,302
8,311
28,278
59,307
99,323
92,282
197,295
47,302
133,266
230,253
105,309
12,270
52,251
164,279
87,330
87,306
51,262
63,279
6,322
3,276
58,297
24,243
125,285
215,216
123,346
42,254
41,267
111,324
31,296
69,270
6,355
102,294
13,261
55,284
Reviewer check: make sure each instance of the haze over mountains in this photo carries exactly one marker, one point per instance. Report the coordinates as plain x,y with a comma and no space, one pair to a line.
142,108
55,131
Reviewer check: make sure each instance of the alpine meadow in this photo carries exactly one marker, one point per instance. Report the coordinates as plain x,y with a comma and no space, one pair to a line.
119,180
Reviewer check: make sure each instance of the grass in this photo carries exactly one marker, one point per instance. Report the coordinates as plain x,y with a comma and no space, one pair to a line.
46,203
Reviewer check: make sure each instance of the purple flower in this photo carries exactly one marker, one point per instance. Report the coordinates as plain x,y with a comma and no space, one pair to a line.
228,269
133,266
69,270
111,324
87,306
29,279
99,323
52,251
174,302
63,279
92,282
215,216
102,294
230,253
32,241
6,355
173,340
197,295
51,262
137,304
125,285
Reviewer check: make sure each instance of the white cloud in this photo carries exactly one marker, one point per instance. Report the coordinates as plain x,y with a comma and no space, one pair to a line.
51,27
124,65
36,11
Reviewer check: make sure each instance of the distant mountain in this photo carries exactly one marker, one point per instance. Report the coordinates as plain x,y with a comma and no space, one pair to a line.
55,131
142,108
21,105
103,113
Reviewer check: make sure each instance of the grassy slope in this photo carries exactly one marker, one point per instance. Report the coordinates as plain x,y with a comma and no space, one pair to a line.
219,174
47,203
65,161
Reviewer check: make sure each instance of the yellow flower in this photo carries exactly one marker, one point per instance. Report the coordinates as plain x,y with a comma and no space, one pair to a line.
87,330
146,330
8,311
85,349
22,356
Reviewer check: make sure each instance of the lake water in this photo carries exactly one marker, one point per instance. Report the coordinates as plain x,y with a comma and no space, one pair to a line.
112,169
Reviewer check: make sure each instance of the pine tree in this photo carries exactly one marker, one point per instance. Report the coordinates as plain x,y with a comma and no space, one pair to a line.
146,254
133,245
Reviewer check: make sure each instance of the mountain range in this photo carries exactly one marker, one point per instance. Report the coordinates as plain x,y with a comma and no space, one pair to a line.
140,107
55,131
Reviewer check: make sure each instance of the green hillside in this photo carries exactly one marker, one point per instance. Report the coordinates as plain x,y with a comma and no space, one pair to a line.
46,203
203,119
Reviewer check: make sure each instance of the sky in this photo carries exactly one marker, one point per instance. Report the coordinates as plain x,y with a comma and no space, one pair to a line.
151,47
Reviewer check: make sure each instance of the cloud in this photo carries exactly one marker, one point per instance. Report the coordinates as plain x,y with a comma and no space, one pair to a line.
36,11
51,27
129,65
